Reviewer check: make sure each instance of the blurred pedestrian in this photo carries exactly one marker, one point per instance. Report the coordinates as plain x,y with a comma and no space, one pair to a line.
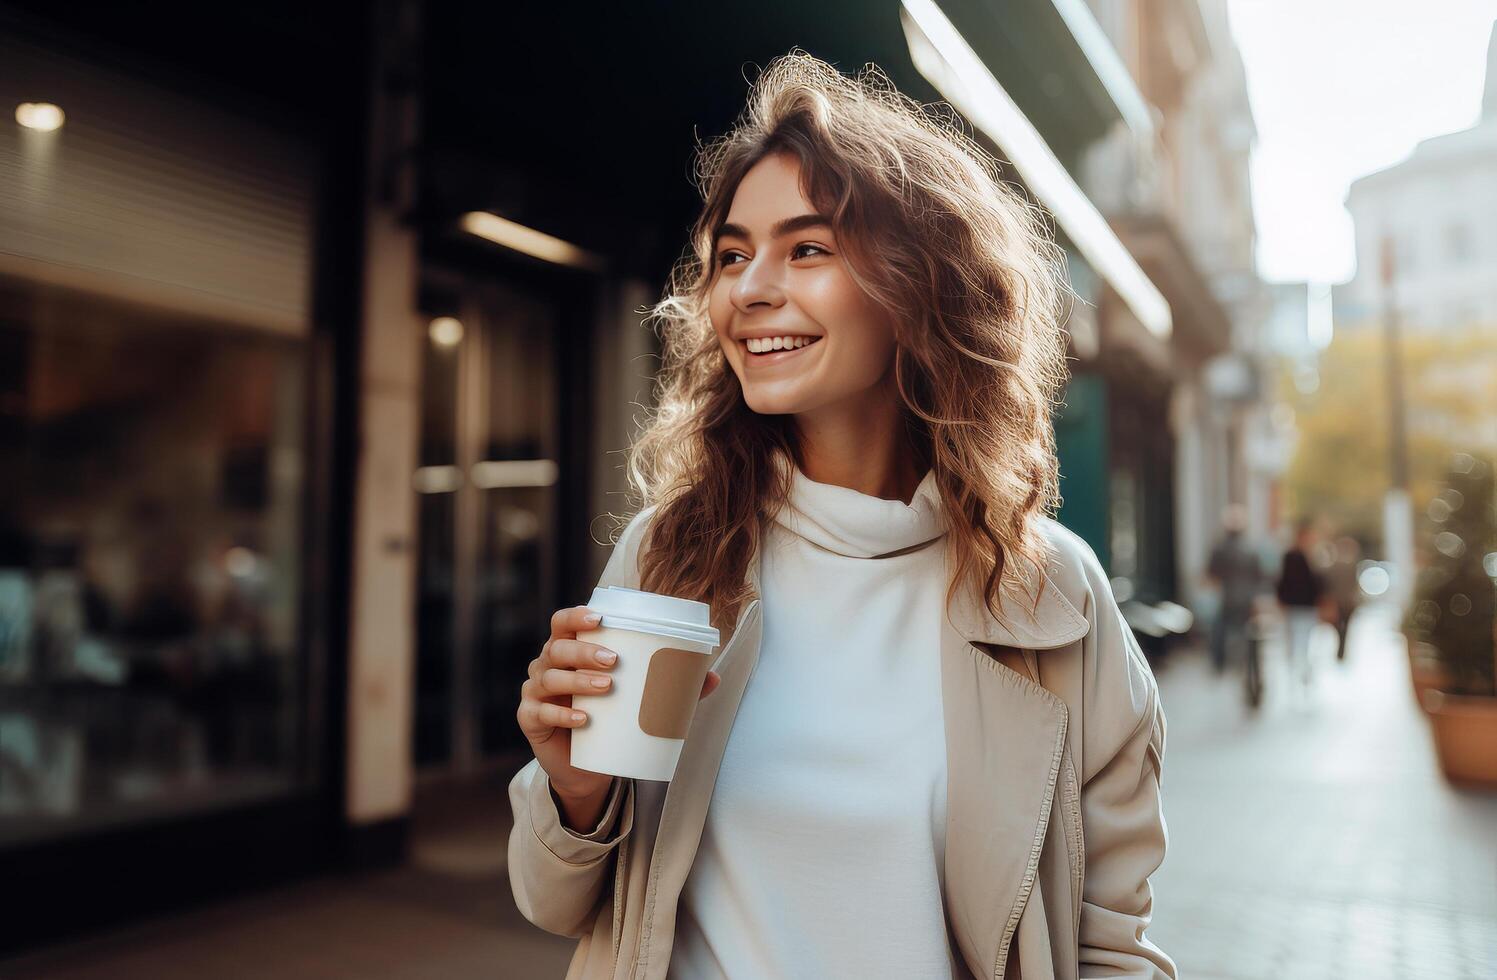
1341,583
1300,590
1236,569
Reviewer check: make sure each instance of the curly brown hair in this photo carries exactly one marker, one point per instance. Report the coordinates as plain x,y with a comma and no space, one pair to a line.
977,289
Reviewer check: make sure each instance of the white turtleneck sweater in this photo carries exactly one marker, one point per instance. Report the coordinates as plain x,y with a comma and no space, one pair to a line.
823,847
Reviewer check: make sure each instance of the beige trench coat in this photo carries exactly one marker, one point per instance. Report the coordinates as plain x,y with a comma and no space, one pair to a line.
1054,740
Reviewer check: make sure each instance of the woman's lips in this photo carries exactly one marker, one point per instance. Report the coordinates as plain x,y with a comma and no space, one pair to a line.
778,356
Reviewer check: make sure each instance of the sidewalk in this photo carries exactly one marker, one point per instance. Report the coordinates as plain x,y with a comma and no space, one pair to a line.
1318,838
447,915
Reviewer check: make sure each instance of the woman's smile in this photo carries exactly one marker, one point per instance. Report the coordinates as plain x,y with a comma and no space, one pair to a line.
769,351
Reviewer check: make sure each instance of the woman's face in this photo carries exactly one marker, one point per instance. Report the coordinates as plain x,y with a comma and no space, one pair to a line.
781,274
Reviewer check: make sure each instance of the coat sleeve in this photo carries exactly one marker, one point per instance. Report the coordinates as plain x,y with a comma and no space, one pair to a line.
1123,825
559,877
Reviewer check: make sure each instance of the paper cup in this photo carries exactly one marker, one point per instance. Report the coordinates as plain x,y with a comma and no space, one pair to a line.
665,645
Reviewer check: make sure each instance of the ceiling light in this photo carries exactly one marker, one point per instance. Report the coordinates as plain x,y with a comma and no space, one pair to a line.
446,331
510,234
40,116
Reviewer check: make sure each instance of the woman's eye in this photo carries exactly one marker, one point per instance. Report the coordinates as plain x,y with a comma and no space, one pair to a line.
726,258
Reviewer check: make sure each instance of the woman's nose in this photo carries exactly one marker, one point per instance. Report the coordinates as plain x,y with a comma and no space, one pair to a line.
757,284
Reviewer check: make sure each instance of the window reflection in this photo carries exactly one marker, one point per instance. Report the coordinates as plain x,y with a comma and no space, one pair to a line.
150,523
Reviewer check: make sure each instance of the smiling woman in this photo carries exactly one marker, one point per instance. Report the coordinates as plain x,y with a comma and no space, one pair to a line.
854,442
930,298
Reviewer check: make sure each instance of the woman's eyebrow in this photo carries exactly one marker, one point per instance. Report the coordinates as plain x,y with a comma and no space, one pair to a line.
784,227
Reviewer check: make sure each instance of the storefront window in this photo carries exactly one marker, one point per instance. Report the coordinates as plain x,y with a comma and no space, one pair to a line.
150,564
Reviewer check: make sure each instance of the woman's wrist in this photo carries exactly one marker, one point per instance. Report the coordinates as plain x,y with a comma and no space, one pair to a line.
580,814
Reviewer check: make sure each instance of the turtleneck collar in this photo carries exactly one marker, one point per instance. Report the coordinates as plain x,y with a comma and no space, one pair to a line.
857,525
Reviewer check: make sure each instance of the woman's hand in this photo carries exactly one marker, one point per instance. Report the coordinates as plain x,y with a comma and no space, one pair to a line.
568,666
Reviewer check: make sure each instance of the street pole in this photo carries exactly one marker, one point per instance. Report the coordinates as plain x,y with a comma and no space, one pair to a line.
1398,511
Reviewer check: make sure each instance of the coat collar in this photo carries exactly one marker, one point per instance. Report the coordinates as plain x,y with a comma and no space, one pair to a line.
1052,622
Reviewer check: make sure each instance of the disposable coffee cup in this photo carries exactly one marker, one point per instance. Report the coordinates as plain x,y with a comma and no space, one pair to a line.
636,728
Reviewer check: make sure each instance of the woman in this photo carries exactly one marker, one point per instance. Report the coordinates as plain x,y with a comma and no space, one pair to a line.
931,746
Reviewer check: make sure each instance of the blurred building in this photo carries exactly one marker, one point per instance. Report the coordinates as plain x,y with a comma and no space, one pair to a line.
1438,209
1178,194
321,341
178,308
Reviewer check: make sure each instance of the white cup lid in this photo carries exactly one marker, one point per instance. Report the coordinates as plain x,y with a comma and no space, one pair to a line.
633,609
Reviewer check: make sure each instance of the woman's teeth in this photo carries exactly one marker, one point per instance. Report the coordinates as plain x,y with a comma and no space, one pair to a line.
764,345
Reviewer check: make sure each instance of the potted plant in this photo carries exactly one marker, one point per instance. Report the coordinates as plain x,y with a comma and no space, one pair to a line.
1426,671
1454,615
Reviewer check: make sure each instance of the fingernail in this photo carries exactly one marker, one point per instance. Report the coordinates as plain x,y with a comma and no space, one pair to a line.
576,716
592,618
607,656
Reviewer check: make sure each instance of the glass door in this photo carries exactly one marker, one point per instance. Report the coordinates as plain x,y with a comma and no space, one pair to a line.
487,491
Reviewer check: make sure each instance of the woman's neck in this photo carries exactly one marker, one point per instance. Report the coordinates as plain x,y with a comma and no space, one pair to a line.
864,447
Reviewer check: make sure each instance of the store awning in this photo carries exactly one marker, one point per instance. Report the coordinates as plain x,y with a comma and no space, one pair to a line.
943,56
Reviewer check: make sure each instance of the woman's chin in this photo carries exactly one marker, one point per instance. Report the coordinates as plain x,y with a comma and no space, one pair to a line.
772,402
